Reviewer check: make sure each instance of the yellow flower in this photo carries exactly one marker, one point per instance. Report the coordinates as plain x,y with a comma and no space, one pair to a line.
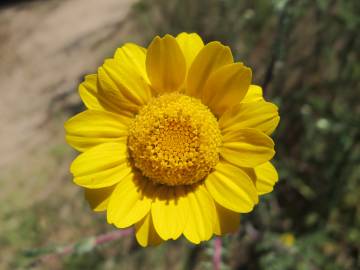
287,239
175,140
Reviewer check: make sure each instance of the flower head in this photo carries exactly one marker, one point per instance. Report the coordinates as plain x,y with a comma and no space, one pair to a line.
175,140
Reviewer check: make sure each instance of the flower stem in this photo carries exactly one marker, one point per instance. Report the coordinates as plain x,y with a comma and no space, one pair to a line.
217,253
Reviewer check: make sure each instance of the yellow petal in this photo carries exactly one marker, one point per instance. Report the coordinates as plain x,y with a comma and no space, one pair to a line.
89,93
200,223
90,128
260,115
254,94
212,56
121,88
99,198
110,96
95,99
247,147
190,44
169,211
133,55
232,188
226,221
165,64
128,203
101,166
266,177
130,85
251,173
226,87
145,232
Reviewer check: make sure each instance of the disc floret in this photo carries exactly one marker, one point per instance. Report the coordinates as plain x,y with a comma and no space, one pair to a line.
174,140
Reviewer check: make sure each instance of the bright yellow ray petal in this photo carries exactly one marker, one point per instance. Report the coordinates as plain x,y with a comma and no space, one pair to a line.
200,223
128,203
89,93
190,45
169,211
266,177
226,221
250,172
232,188
133,55
95,98
99,198
121,88
145,232
110,96
90,128
165,64
247,147
260,115
129,83
254,94
226,87
101,166
212,56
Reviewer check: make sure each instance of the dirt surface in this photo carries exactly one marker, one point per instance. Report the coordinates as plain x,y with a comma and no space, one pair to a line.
46,48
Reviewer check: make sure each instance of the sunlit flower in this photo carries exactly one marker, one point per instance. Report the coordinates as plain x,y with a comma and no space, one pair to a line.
175,140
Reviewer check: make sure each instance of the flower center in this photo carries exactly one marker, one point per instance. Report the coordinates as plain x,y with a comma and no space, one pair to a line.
174,140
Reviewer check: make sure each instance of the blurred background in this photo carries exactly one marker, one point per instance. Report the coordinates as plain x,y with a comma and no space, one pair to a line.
304,53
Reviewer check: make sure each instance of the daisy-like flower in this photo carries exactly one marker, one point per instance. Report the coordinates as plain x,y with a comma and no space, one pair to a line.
175,140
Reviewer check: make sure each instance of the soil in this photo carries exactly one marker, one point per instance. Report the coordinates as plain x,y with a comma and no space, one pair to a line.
46,48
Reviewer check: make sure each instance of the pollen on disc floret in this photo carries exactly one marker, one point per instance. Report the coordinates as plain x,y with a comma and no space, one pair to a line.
174,140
